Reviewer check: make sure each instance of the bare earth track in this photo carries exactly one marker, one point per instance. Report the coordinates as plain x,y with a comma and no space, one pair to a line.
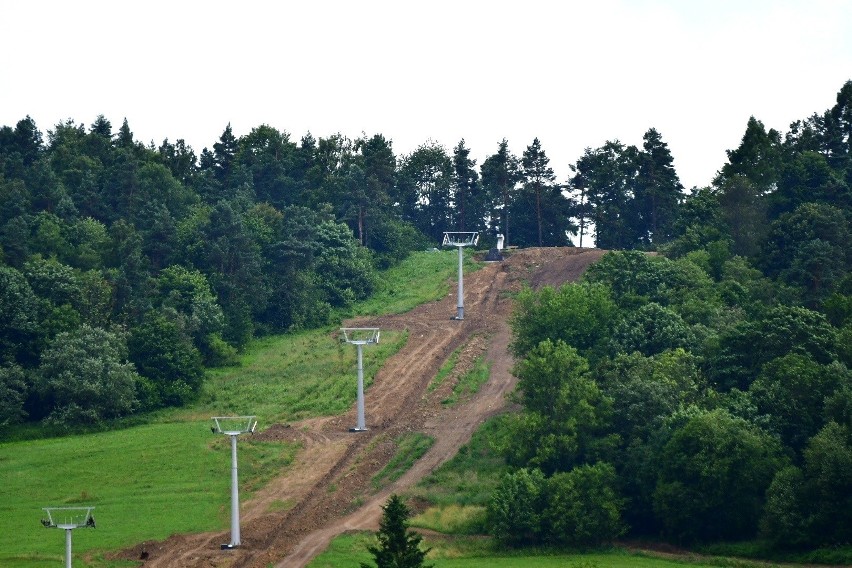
327,490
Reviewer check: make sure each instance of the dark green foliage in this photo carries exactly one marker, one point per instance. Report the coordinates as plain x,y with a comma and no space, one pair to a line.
163,352
269,156
85,378
584,506
345,268
744,349
652,329
424,190
580,507
391,241
713,476
516,506
564,411
500,176
784,519
645,391
634,277
397,546
808,178
468,196
608,177
658,191
700,223
745,214
631,195
541,212
14,389
792,391
18,308
809,248
581,315
811,505
828,484
757,159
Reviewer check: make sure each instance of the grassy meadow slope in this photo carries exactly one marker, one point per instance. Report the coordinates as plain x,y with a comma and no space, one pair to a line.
171,475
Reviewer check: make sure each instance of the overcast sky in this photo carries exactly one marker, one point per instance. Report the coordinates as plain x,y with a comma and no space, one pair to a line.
572,74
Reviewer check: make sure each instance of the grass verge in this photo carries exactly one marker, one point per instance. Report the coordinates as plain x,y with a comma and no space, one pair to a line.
423,277
350,549
410,448
445,370
470,476
294,376
469,383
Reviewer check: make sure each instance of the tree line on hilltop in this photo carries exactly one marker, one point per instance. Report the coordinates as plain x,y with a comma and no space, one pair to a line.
126,269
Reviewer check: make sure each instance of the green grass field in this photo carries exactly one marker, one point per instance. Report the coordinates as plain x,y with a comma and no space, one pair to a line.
290,377
171,474
142,481
472,552
422,277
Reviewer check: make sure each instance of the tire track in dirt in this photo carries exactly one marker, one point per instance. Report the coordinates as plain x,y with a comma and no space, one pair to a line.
327,489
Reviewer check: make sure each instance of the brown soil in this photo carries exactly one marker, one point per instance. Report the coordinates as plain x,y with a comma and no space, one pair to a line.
327,490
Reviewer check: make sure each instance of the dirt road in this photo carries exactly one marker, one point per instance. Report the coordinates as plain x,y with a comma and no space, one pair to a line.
327,490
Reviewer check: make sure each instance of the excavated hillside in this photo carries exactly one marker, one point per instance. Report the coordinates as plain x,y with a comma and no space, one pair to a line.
329,486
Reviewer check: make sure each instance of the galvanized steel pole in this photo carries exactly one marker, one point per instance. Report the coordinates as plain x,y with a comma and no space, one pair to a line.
361,423
235,497
67,548
460,312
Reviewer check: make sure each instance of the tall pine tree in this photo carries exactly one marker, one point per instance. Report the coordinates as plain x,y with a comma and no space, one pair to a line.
658,190
500,176
397,547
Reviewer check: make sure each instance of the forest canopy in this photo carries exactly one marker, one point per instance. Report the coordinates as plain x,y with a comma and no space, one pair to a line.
703,393
127,270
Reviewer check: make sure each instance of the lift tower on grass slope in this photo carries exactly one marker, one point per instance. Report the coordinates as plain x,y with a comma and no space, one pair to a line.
68,518
460,240
359,337
233,426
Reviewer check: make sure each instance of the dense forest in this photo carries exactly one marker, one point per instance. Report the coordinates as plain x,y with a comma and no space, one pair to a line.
703,393
708,381
127,269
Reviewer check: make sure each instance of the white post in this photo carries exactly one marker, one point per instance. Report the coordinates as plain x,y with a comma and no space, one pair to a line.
460,312
361,424
235,497
67,548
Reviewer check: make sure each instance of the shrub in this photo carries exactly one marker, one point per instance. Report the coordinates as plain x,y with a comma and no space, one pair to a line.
583,506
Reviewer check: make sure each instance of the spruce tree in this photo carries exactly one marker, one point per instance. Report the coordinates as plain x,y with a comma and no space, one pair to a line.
397,546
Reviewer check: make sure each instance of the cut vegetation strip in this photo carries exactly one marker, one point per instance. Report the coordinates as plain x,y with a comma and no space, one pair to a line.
410,448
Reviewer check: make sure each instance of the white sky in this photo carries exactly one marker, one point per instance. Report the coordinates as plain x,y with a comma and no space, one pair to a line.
574,74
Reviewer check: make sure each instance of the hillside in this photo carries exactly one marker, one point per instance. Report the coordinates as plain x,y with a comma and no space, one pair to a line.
328,488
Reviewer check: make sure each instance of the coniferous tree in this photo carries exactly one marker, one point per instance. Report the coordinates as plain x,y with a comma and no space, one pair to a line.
424,184
537,176
658,190
608,175
224,154
465,190
543,203
397,547
180,159
378,164
500,177
758,158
